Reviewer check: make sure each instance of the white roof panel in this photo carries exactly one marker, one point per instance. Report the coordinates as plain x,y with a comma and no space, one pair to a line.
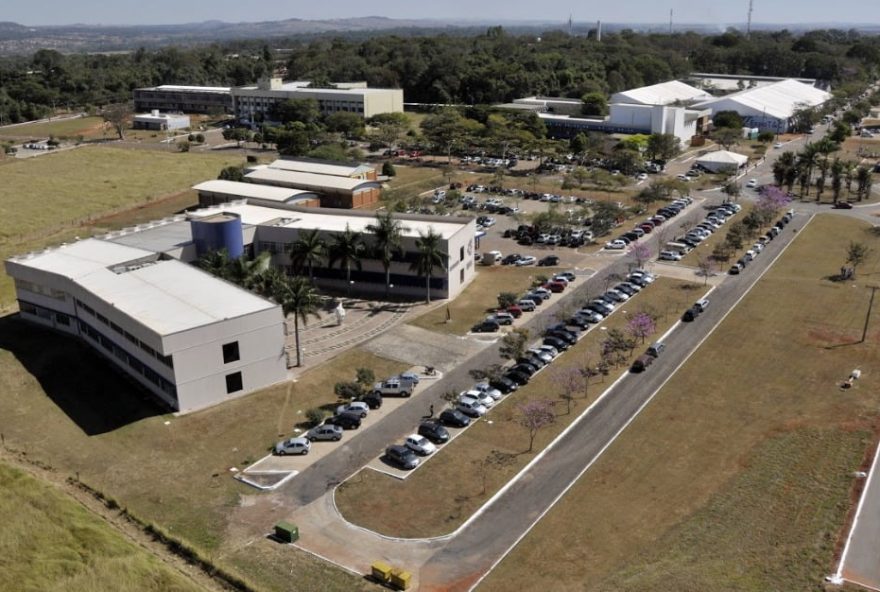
779,100
310,181
724,157
244,190
321,168
664,93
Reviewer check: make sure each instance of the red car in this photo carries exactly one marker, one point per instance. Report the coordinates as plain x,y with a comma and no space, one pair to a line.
515,311
555,287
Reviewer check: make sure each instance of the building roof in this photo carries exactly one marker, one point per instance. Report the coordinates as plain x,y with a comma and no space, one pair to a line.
330,220
664,93
160,117
165,296
779,100
337,169
252,190
309,181
723,157
302,87
181,88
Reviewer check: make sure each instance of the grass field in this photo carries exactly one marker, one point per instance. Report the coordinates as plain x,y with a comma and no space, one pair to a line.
737,475
88,127
479,298
50,542
88,420
450,487
704,249
49,199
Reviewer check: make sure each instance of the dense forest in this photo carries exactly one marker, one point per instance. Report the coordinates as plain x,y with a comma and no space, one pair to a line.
492,67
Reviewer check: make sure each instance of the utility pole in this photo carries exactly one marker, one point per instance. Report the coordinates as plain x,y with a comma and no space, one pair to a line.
749,21
670,21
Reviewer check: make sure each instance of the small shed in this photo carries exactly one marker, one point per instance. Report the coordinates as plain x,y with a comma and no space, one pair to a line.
722,161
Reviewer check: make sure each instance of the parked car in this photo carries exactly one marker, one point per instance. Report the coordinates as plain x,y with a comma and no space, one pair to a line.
347,421
454,418
735,269
518,377
670,256
357,407
548,261
372,399
394,387
527,260
505,385
702,304
327,431
511,259
471,407
526,305
641,363
502,318
656,348
434,431
843,205
402,456
486,326
485,400
752,183
293,446
690,314
419,444
487,389
615,245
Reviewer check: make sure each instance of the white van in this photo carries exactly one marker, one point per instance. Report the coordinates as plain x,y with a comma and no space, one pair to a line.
678,247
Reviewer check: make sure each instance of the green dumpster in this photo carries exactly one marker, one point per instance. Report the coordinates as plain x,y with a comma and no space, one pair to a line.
287,532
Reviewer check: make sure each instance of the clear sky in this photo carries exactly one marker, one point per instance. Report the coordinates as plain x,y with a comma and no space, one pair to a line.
60,12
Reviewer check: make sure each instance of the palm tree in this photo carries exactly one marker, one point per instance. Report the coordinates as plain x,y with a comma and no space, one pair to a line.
347,249
297,296
782,168
865,179
308,249
822,163
246,272
387,238
849,174
216,263
429,257
837,170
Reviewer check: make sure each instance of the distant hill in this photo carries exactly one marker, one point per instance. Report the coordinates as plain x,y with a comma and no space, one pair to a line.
17,39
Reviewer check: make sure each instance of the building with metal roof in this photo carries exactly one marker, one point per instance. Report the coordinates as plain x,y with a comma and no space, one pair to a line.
672,92
353,170
335,192
770,107
217,191
184,99
189,338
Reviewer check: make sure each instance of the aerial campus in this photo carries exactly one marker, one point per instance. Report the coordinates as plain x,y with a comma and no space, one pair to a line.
423,305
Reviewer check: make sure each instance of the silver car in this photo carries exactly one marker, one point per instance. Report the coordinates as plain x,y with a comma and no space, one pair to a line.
293,446
328,431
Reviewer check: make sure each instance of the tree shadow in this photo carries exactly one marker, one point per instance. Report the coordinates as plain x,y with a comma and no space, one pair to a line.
88,388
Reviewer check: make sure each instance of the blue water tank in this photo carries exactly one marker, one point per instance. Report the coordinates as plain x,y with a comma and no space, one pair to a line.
220,231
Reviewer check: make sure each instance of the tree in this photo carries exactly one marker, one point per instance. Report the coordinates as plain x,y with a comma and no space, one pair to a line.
389,127
641,325
507,299
856,253
864,181
727,136
706,265
365,377
297,297
117,116
766,137
772,200
183,146
731,189
216,263
388,169
513,344
350,125
595,104
301,110
448,128
387,234
429,256
727,119
534,416
309,248
662,146
569,380
237,134
640,253
347,249
837,170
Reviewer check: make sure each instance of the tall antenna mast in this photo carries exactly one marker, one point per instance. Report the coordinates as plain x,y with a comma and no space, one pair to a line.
749,22
670,21
569,24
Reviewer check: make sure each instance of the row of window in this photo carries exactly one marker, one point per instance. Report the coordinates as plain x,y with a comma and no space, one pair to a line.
44,313
125,358
41,290
167,360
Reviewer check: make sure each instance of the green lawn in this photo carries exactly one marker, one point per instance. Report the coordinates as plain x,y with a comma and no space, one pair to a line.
50,542
49,199
737,476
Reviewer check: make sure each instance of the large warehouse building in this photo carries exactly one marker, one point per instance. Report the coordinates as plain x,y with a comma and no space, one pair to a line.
189,338
770,107
253,103
664,93
334,191
192,339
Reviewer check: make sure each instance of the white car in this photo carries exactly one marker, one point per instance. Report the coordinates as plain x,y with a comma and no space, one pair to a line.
777,145
549,349
483,387
544,356
642,176
670,256
471,407
485,400
643,275
615,245
527,260
420,445
752,183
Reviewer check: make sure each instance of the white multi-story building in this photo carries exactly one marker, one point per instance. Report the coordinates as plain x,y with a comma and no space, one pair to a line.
253,103
189,338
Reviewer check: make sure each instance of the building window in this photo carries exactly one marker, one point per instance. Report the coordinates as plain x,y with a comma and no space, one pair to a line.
461,276
461,254
233,382
230,352
62,319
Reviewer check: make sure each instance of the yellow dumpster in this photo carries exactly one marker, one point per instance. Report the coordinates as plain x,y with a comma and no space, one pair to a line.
400,579
381,571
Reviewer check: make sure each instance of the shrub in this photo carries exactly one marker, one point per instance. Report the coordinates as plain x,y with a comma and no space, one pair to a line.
183,146
315,415
251,158
347,390
506,299
200,138
388,169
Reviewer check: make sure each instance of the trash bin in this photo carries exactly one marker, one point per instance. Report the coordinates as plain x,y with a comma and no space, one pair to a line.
400,579
287,532
381,572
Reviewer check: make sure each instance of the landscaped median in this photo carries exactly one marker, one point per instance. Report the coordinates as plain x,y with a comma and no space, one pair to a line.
465,473
739,475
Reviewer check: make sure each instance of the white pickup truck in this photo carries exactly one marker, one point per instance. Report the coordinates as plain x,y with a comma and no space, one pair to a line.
394,387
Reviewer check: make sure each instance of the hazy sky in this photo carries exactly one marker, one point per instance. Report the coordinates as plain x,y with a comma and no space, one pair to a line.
58,12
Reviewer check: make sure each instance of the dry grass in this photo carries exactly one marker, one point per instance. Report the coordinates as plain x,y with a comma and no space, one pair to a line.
704,249
51,198
449,488
87,420
50,542
478,299
736,476
88,127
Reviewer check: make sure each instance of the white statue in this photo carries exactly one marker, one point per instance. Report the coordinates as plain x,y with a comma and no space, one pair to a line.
340,313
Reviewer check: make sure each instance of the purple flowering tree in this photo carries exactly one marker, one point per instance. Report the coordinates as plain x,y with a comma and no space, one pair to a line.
640,253
641,325
535,415
773,199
